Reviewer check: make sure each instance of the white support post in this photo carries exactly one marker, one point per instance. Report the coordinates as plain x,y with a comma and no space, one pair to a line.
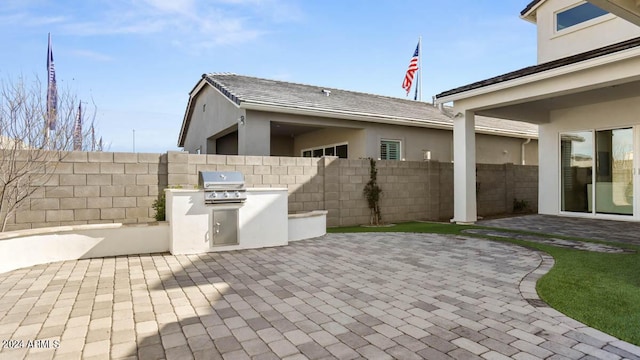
464,168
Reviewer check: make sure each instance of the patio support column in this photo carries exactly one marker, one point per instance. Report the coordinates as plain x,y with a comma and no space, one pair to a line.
464,168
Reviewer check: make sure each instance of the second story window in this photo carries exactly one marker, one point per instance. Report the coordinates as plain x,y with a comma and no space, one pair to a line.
577,15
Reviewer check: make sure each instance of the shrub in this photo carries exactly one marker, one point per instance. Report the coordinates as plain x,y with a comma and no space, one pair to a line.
372,193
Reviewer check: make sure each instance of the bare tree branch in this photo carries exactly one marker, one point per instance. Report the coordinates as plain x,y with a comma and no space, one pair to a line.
29,154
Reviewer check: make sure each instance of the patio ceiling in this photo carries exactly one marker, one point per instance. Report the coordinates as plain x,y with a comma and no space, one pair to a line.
537,111
287,129
626,9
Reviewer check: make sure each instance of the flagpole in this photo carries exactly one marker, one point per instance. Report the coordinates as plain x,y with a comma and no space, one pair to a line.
420,68
47,128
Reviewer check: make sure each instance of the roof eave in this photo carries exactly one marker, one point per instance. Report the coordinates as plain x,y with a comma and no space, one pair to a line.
374,118
545,74
513,134
189,110
529,12
339,114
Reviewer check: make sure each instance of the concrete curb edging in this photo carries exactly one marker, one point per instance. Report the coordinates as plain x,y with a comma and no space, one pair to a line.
593,336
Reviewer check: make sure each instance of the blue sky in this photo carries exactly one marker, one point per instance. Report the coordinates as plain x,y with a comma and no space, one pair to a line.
138,59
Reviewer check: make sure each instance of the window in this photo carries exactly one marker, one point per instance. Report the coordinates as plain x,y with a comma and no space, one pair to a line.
577,15
340,151
389,150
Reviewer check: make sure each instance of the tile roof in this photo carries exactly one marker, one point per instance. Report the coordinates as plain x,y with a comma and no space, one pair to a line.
606,50
246,89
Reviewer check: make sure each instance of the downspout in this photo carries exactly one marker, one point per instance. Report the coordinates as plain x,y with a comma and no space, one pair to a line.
523,156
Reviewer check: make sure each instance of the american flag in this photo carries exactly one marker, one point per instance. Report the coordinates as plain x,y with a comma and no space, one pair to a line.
77,130
411,71
52,90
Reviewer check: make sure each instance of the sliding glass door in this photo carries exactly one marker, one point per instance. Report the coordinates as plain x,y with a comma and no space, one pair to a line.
596,170
614,171
576,164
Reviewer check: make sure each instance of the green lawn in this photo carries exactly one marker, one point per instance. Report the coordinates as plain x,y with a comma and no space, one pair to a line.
600,290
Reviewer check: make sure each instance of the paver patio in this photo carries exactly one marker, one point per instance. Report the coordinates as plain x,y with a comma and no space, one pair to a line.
341,296
589,228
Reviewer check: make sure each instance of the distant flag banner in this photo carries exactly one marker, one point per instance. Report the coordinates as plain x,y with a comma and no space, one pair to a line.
93,138
77,130
411,71
52,90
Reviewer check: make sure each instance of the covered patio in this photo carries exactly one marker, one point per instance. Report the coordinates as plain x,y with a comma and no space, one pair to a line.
594,93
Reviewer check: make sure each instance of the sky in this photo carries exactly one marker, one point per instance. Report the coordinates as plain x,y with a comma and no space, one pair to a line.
137,60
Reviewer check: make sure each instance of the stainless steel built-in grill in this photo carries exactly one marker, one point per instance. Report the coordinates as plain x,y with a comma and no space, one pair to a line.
224,191
223,187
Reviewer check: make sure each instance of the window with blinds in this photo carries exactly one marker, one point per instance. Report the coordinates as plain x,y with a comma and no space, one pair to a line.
390,150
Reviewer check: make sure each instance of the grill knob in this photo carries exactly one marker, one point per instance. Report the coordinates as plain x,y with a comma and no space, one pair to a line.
237,194
226,194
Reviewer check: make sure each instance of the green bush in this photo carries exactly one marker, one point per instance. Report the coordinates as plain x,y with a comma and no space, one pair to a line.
520,205
160,205
372,193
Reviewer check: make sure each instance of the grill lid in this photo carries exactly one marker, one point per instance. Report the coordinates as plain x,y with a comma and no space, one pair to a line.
220,179
222,187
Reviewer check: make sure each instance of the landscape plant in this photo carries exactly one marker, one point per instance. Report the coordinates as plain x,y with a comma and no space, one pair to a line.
372,193
160,204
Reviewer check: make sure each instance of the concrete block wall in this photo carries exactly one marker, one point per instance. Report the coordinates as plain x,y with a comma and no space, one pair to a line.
405,193
101,187
526,185
494,184
94,187
497,186
325,183
445,198
303,177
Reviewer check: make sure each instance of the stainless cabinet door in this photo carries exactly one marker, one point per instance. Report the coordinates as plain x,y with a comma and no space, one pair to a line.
225,227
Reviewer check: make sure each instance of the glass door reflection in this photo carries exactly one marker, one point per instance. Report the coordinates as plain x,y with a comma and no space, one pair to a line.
614,171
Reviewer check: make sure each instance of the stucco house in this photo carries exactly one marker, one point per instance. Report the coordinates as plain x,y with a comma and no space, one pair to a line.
241,115
584,94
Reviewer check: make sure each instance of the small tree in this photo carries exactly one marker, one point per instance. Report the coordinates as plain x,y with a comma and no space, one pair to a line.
29,154
372,193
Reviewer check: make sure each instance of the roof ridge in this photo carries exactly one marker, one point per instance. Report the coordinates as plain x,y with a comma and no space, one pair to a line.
221,87
323,87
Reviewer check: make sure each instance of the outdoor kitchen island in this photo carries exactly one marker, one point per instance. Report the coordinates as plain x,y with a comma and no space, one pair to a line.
224,215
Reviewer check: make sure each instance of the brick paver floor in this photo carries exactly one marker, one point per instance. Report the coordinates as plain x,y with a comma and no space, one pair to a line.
597,229
346,296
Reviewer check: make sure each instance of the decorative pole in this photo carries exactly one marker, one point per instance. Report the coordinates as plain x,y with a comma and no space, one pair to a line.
420,68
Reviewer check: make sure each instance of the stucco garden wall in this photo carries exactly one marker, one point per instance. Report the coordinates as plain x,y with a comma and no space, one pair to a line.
90,188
